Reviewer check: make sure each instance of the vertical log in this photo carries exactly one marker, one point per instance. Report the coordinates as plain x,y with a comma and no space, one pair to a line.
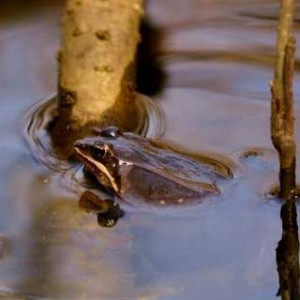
96,68
283,138
282,113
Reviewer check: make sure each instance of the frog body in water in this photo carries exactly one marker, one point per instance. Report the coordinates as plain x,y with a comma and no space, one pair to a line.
142,172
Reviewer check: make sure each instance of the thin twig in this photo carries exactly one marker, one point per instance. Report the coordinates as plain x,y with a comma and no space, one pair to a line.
282,112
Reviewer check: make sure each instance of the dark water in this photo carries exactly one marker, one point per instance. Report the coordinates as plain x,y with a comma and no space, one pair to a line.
217,57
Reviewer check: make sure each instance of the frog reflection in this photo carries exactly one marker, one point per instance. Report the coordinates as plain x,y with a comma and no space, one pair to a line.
108,211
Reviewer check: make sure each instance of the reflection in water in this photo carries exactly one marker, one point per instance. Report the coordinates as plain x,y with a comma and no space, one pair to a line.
150,77
108,211
287,253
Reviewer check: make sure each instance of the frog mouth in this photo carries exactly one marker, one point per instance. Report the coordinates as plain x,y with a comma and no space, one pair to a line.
96,167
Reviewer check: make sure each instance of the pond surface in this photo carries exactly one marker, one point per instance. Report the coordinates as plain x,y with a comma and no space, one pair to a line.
217,59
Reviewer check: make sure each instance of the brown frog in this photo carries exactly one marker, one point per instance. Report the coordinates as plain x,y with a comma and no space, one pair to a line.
141,172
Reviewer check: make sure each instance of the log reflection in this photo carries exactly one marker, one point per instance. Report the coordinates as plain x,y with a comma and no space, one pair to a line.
287,253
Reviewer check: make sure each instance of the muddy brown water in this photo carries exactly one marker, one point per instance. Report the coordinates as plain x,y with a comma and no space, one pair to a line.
217,61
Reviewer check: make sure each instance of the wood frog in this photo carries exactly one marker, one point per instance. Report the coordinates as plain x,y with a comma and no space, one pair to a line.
143,173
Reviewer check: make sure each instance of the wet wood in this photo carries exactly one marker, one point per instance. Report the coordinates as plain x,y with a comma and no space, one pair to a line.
96,62
282,112
283,138
97,67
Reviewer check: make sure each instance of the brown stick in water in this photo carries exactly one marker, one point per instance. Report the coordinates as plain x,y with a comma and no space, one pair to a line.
97,67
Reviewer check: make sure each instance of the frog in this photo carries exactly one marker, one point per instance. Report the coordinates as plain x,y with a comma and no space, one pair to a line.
141,172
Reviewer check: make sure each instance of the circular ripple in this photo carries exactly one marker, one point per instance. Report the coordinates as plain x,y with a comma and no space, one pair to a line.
38,139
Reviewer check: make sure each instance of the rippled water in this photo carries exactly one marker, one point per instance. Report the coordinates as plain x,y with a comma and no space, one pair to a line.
42,113
216,57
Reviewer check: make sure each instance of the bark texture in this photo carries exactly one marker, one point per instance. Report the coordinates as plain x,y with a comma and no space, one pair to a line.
282,112
96,69
96,61
283,138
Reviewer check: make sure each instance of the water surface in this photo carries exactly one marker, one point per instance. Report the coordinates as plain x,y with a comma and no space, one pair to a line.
217,57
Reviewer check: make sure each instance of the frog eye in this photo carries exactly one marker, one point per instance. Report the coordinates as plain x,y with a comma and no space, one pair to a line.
111,132
98,153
